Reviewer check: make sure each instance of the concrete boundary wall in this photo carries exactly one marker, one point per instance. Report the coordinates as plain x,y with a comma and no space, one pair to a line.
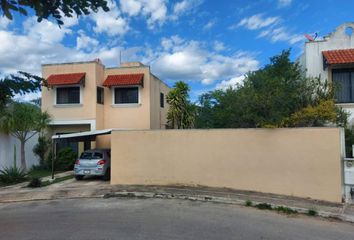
303,162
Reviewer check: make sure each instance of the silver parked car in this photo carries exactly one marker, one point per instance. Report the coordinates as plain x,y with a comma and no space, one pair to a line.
96,162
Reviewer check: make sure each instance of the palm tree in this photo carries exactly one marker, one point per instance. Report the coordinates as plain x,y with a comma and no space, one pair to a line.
23,121
181,112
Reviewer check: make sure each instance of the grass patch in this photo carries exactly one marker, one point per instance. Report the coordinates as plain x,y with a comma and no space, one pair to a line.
249,203
39,173
312,212
57,180
285,210
264,206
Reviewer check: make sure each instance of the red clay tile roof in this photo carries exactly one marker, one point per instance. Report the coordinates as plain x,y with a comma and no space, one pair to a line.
124,80
339,56
65,79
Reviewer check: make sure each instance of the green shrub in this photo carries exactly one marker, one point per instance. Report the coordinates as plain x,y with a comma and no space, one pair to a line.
65,160
35,182
285,210
249,203
264,206
38,168
312,212
41,149
12,175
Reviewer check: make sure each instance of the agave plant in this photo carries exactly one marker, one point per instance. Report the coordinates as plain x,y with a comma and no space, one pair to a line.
12,175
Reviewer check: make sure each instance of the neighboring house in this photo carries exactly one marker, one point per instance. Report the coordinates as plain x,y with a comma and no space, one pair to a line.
7,146
87,96
332,58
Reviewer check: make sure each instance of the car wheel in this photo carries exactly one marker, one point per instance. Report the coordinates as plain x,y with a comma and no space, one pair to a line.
107,175
79,177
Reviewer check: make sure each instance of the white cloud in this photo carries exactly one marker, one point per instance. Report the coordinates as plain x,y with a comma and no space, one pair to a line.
270,28
85,42
4,22
219,46
42,43
257,22
154,10
190,60
47,31
184,7
131,7
284,3
233,83
209,25
111,22
281,34
172,42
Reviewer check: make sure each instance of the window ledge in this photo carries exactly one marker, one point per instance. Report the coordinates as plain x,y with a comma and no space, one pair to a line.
67,105
126,105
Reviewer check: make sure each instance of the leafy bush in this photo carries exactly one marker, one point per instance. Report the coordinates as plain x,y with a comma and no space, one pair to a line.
65,160
312,116
264,206
41,148
312,212
12,175
249,203
35,182
285,210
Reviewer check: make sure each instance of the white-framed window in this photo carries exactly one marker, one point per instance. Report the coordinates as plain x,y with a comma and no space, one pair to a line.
68,95
129,95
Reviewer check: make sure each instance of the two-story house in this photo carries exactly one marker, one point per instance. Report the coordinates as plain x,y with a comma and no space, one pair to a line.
332,59
87,96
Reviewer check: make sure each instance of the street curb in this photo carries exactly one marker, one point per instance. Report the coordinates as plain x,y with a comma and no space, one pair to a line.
213,199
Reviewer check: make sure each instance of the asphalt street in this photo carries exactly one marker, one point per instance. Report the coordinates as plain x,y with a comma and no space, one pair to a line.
157,219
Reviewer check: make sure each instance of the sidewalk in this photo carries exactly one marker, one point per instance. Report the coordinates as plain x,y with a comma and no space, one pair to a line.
95,188
339,211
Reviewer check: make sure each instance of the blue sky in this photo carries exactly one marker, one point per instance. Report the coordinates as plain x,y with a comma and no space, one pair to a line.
208,43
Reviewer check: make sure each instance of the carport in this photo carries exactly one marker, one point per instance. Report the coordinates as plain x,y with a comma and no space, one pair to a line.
76,137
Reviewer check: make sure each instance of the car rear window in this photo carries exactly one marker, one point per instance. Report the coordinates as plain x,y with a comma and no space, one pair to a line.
97,155
91,155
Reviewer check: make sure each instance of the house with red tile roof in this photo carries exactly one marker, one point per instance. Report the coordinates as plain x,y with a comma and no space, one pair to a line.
332,59
87,96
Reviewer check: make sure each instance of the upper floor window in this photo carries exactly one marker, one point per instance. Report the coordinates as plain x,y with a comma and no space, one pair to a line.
100,95
162,100
126,95
343,80
68,95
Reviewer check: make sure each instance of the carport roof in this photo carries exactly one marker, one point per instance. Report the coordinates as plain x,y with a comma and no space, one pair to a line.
82,135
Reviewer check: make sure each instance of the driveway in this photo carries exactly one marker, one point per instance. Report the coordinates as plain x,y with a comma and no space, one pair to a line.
88,187
157,219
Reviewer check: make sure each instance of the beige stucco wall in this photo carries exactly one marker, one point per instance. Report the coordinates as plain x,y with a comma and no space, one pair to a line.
133,116
86,110
158,116
303,162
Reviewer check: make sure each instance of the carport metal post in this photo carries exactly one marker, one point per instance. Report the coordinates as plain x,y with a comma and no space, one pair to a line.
54,156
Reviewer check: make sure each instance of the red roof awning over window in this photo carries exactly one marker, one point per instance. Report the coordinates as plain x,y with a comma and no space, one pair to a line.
343,56
65,79
124,80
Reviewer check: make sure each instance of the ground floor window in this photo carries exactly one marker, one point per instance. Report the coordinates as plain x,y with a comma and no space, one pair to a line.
343,80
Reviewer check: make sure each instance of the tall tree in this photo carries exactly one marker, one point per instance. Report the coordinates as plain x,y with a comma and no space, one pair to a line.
45,9
20,83
181,112
277,95
23,121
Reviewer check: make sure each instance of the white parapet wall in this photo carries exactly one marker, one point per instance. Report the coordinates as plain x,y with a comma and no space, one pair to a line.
7,144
